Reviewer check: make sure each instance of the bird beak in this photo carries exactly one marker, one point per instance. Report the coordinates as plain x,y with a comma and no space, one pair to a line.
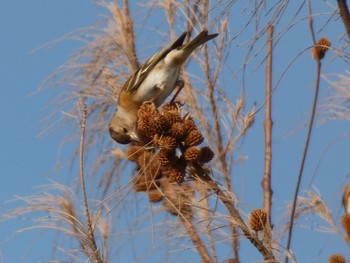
134,137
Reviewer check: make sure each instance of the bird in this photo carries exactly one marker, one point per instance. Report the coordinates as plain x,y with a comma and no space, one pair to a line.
153,81
346,199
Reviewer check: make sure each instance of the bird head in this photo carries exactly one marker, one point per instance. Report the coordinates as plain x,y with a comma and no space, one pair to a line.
122,127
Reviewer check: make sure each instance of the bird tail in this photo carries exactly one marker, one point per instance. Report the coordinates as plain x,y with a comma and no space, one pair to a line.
199,40
181,53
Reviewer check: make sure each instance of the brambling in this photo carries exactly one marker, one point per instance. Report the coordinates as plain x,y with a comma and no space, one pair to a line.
346,199
153,81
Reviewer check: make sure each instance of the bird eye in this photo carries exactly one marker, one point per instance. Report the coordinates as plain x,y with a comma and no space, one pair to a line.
125,130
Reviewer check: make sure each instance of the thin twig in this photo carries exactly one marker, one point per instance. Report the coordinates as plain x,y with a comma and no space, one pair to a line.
266,181
307,142
95,250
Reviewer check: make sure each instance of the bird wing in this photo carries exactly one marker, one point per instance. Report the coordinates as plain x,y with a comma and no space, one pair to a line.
136,79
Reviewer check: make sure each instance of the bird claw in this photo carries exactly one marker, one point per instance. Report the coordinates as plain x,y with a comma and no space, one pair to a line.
180,83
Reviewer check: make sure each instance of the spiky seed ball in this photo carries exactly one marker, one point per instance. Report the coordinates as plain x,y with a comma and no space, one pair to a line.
194,138
160,124
192,153
206,155
163,159
176,174
166,158
178,130
172,117
146,113
148,108
166,143
190,125
170,107
155,195
336,258
258,219
150,122
149,127
320,49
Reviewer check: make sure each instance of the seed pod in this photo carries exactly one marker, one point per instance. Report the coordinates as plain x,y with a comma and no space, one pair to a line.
320,49
194,138
192,153
336,258
190,125
178,130
258,219
206,155
166,143
176,174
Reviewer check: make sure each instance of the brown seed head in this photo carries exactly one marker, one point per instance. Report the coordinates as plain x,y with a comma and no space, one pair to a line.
170,107
166,158
150,122
148,108
319,51
206,155
171,112
190,125
258,219
178,130
166,143
345,222
194,138
192,153
172,117
336,258
176,175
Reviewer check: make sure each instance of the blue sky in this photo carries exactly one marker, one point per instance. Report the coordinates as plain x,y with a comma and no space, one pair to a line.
27,160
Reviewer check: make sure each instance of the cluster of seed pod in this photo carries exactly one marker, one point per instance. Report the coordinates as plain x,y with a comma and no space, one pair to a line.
170,142
175,137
